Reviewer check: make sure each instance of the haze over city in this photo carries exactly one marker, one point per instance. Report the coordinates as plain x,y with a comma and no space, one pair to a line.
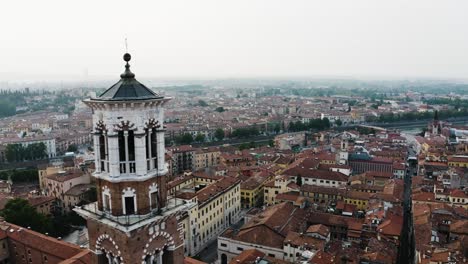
234,39
234,132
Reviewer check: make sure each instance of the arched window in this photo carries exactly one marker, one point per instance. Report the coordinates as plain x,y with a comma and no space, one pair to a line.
153,196
102,151
106,199
126,141
223,259
152,127
129,202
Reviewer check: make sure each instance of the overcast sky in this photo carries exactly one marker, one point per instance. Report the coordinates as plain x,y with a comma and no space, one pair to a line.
213,39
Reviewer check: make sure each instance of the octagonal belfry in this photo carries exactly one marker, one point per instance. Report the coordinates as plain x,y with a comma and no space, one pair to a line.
129,147
132,220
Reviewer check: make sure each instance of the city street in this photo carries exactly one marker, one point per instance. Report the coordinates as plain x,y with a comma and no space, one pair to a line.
210,253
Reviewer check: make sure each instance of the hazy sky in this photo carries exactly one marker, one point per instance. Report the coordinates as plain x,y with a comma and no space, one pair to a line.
212,39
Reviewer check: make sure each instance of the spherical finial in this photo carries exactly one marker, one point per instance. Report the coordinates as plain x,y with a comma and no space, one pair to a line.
127,57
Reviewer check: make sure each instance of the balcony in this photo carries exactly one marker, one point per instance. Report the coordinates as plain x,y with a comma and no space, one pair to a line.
131,222
127,167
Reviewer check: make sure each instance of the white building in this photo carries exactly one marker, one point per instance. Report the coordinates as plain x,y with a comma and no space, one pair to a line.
51,148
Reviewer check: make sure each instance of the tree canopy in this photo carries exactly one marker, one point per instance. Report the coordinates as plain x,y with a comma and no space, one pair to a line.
200,137
245,132
17,152
185,138
219,134
202,103
19,212
317,124
20,175
220,109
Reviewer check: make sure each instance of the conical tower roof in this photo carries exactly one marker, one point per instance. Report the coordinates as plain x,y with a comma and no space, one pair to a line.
128,88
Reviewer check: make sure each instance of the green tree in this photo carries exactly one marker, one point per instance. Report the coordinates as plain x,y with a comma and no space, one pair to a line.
277,128
27,175
202,103
14,152
338,122
200,137
186,138
220,109
19,212
219,134
243,146
7,108
252,144
271,143
72,148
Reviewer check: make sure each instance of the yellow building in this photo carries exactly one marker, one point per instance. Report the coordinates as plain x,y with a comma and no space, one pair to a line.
281,184
252,192
217,206
196,180
206,157
319,194
458,161
360,199
458,198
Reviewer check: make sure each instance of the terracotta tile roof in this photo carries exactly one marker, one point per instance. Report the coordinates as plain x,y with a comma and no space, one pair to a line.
457,159
321,189
270,227
458,193
84,257
79,189
334,220
38,200
189,260
378,174
317,174
66,176
252,183
290,197
248,256
298,239
357,195
31,239
212,190
424,197
319,229
392,226
322,257
459,227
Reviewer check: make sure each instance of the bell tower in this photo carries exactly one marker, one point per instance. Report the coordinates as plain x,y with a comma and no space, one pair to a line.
131,221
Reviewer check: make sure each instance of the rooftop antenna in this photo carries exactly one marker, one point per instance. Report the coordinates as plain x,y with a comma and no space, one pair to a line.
126,46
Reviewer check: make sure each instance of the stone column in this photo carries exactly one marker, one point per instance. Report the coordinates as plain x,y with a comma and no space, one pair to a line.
159,257
140,154
127,164
97,153
161,152
114,163
151,165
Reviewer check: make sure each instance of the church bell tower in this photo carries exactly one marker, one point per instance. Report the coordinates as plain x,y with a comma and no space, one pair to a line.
131,221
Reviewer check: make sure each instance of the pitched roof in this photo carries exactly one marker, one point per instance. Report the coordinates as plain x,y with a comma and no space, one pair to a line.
127,88
319,229
31,239
270,227
247,256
